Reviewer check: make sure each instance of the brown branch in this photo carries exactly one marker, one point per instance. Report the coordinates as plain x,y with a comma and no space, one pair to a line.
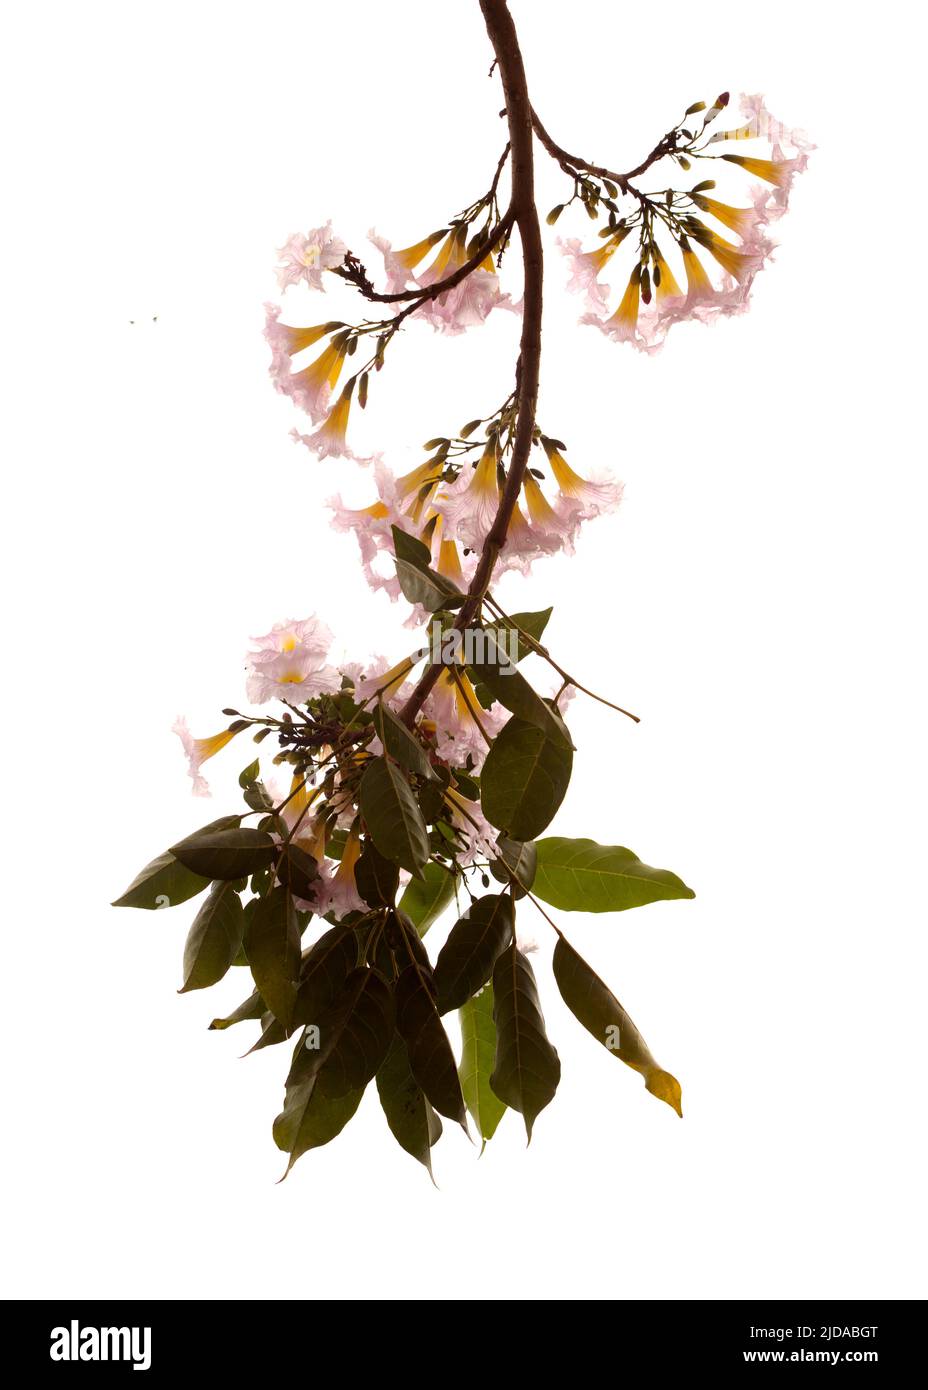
570,163
502,33
355,273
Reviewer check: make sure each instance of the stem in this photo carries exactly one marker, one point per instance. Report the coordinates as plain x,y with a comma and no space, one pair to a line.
422,295
664,146
502,33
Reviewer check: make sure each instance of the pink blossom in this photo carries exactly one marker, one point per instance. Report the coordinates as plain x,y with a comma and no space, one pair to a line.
310,388
306,257
197,750
475,830
468,303
586,266
469,505
580,498
459,720
330,440
335,890
290,663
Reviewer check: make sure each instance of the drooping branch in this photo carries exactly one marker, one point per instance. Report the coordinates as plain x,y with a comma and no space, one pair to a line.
571,163
354,272
502,33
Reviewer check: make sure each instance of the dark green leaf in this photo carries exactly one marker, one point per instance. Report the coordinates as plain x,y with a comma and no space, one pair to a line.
298,870
418,581
478,1055
521,858
272,1032
466,960
582,876
594,1004
412,1120
272,944
164,882
355,1033
430,1056
524,780
214,938
507,685
411,549
250,1009
310,1118
527,1068
376,878
226,854
323,972
392,816
400,743
425,900
533,624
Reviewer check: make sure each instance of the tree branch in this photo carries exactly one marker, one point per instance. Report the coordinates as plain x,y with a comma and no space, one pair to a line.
570,163
356,274
504,39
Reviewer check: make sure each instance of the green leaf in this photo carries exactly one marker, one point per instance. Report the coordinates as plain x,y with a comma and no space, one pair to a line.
376,878
413,1122
466,960
417,1021
249,774
418,581
226,854
411,549
249,1010
400,743
272,1032
507,685
354,1034
164,882
524,780
425,899
325,967
478,1035
214,938
594,1004
298,870
272,944
510,631
310,1118
521,858
533,624
392,816
527,1068
582,876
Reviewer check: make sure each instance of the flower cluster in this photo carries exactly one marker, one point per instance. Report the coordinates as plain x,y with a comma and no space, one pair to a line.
653,299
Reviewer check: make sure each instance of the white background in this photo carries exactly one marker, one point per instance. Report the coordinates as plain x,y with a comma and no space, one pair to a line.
758,600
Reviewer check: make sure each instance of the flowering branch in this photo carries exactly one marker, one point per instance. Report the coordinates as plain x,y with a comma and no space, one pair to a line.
525,214
414,780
